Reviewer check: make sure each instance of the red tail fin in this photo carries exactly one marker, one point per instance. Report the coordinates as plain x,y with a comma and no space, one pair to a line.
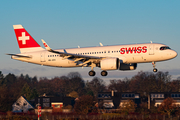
25,41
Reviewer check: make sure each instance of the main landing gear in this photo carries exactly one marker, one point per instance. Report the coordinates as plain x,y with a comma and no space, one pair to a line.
93,73
154,65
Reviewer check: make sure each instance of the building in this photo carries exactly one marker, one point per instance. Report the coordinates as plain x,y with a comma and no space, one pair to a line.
53,104
21,105
114,100
156,98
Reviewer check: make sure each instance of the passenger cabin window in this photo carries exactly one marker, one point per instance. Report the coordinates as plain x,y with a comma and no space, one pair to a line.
164,48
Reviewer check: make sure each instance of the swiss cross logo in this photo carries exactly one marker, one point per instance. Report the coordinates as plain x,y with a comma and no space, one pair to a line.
23,38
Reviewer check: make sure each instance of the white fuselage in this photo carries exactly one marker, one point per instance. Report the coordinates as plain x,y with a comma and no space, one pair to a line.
132,53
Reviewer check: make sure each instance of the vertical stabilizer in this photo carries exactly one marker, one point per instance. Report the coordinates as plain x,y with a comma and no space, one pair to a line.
25,40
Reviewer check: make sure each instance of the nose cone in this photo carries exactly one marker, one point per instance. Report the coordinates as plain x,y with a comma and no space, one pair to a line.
174,54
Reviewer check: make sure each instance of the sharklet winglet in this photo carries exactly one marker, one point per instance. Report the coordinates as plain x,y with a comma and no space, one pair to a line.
46,45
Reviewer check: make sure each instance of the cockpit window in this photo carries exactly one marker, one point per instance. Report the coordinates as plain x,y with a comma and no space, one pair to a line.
164,48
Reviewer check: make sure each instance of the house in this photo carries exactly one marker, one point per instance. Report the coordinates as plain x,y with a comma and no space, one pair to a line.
21,105
56,103
156,98
114,100
105,100
53,104
176,97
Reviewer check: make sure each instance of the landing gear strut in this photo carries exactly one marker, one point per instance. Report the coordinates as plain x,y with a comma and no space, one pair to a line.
93,73
154,65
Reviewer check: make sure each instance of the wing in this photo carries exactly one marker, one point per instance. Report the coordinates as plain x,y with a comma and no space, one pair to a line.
75,57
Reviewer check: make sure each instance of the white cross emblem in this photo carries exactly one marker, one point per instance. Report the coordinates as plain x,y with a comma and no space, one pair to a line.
23,38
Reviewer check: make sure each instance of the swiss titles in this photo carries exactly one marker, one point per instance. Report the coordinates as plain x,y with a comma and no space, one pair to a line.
131,50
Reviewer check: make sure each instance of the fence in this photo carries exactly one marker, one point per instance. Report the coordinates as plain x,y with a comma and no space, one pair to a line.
89,117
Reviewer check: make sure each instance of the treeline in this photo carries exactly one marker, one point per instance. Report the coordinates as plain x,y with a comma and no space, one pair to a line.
12,87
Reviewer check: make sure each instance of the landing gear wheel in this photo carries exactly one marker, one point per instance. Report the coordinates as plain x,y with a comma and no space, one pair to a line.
92,73
104,73
155,70
154,65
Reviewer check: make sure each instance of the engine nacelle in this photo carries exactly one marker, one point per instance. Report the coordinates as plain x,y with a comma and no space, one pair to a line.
131,66
109,64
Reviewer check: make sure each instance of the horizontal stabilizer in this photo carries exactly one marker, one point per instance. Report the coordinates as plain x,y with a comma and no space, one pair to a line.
19,55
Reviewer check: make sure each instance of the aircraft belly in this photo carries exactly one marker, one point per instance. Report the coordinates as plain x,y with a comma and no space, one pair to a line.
156,57
134,58
137,59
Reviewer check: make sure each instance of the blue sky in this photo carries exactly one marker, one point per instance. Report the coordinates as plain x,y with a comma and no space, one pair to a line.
68,24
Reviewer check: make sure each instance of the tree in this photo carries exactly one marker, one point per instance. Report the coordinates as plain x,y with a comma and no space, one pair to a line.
1,78
44,86
1,75
73,94
84,104
75,83
73,75
128,106
9,79
146,82
175,86
90,93
34,94
143,109
96,85
27,78
168,106
59,86
119,85
26,92
4,98
163,79
34,81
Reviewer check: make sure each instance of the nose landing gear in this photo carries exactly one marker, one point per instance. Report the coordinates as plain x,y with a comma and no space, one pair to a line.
155,70
154,65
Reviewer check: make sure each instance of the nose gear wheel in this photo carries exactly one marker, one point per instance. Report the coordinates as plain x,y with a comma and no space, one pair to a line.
154,65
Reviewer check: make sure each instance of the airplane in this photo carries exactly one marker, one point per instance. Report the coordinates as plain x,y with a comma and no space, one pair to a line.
115,57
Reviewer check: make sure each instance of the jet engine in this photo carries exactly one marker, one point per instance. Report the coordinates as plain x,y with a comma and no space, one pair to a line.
109,64
131,66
